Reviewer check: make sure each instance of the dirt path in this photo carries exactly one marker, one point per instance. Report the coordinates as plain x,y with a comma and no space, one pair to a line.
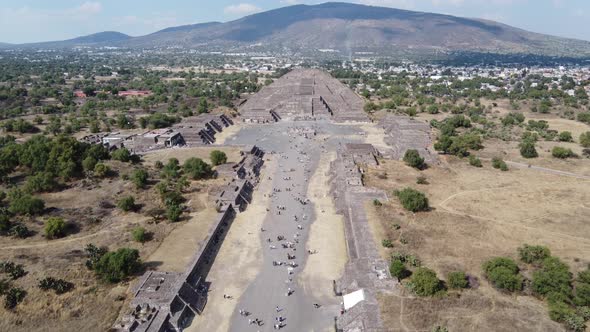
238,261
547,170
326,236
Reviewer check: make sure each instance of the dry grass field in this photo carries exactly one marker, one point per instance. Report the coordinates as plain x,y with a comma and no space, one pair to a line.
89,207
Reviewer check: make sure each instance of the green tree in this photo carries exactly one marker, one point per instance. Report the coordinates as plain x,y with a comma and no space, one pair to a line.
412,158
140,178
121,155
116,266
26,204
424,282
203,105
196,168
101,170
126,203
502,272
397,268
41,182
173,212
217,157
527,149
457,280
533,254
554,276
562,153
565,136
89,163
55,228
412,200
500,164
139,234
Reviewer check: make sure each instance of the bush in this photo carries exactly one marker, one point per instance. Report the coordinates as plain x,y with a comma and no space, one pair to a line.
565,136
158,165
94,255
498,163
126,203
5,224
475,161
218,157
527,149
533,254
582,297
585,139
377,202
421,180
139,234
13,297
15,271
554,276
196,168
55,228
60,286
140,178
412,200
562,153
21,231
89,163
412,158
173,212
26,204
397,268
584,117
575,323
101,170
116,266
502,272
40,182
121,155
425,282
457,280
387,243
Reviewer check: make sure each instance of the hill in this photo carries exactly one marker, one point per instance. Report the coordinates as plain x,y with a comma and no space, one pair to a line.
101,38
348,28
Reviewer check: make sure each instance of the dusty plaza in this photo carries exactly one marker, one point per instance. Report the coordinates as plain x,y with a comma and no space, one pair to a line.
298,229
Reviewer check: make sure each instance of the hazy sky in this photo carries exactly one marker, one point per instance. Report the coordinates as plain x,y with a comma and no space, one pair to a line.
42,20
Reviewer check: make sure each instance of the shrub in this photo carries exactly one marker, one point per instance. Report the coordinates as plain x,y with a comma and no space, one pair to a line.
498,163
55,228
13,297
121,155
582,297
412,158
40,182
197,168
527,149
502,272
387,243
21,231
584,117
139,234
60,286
140,178
5,224
397,268
218,157
565,136
118,265
89,163
421,180
126,203
173,212
425,282
26,204
15,271
575,323
562,153
158,165
475,161
412,200
533,254
457,280
554,276
377,202
585,139
94,255
559,309
101,170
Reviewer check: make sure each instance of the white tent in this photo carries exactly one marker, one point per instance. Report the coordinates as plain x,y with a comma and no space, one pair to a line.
351,299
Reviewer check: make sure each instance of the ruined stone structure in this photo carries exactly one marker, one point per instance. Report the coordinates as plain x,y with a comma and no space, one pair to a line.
201,129
167,301
365,268
404,133
304,94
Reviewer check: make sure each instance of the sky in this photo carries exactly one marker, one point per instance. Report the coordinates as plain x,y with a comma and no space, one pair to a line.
23,21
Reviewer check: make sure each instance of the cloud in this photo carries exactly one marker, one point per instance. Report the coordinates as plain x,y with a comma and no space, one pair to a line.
241,9
88,8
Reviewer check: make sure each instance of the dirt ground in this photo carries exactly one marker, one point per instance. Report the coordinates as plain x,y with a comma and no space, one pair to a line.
479,213
326,236
238,261
182,154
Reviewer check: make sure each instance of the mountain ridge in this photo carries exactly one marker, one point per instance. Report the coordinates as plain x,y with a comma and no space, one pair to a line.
346,28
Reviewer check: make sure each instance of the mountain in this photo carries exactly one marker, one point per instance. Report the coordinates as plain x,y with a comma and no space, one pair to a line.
98,39
349,28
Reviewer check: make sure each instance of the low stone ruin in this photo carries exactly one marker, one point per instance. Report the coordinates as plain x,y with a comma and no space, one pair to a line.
201,129
404,133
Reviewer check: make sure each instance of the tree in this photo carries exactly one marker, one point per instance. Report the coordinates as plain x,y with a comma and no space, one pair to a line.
140,178
116,266
126,203
101,170
40,182
498,163
412,200
565,136
26,204
139,234
412,158
533,254
398,269
527,149
554,276
562,153
502,272
196,168
457,280
217,157
55,228
121,155
173,212
585,139
203,105
425,282
89,163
